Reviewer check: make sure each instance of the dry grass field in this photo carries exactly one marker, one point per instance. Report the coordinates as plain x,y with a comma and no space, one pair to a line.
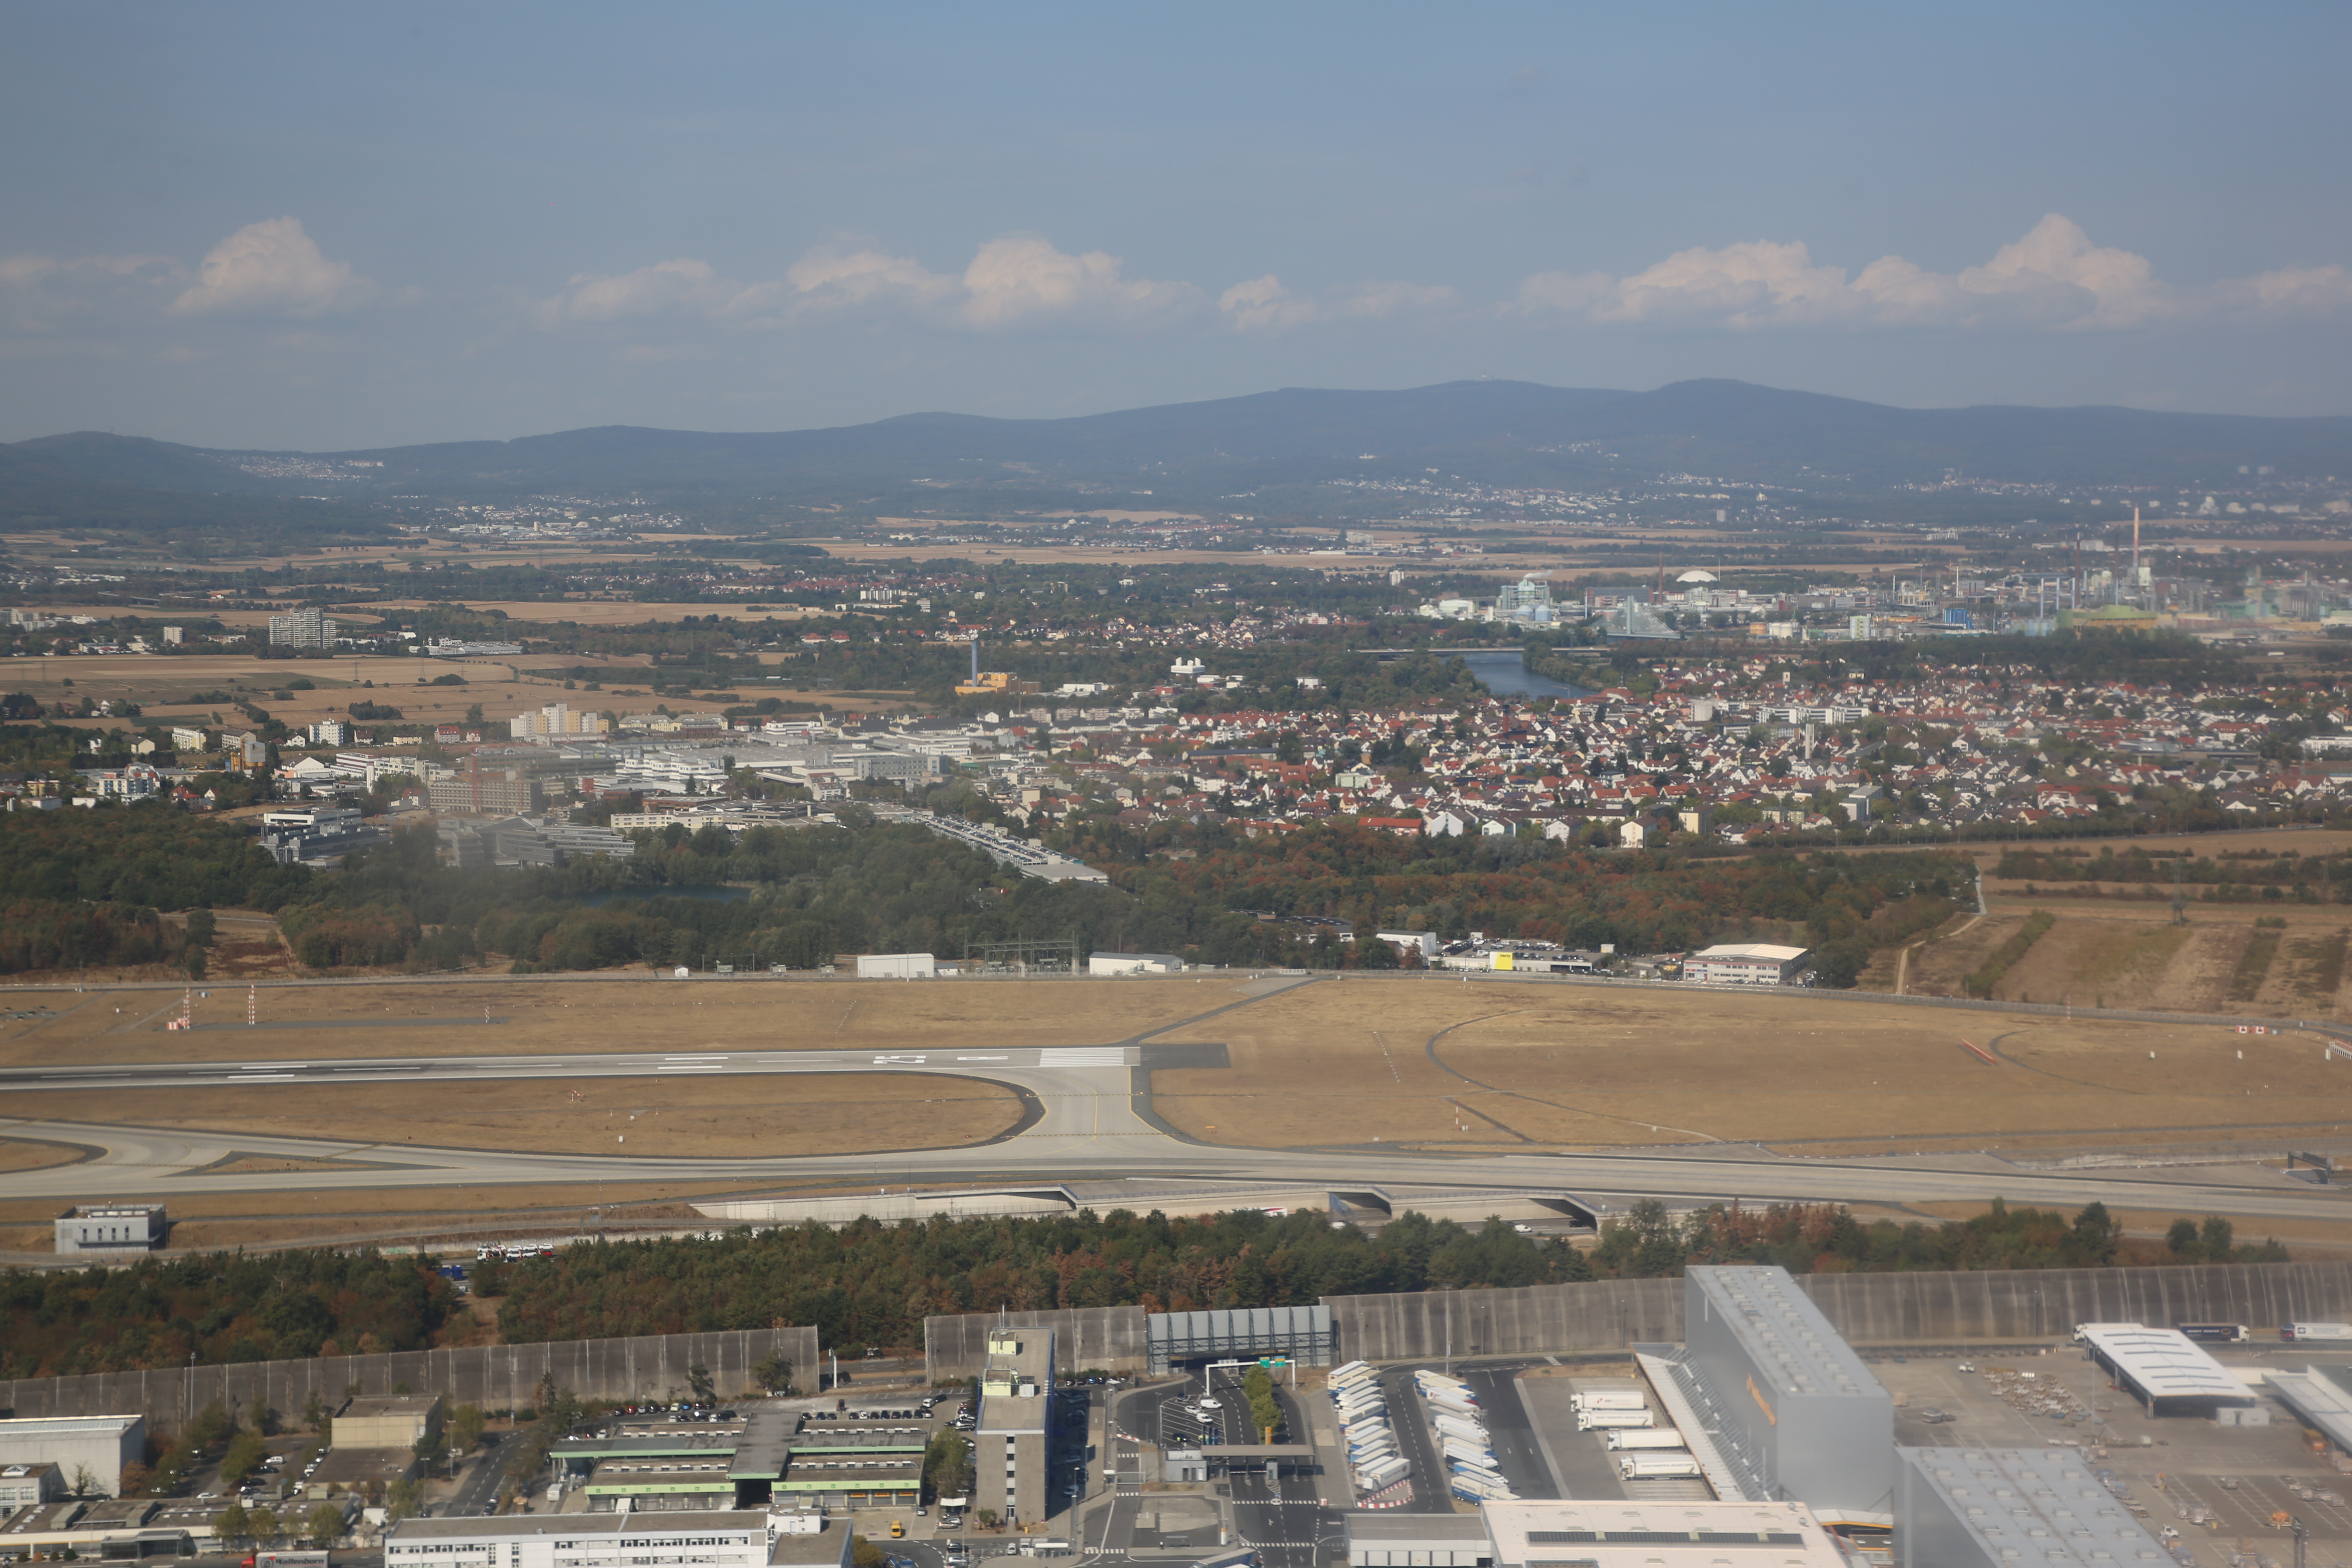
394,1018
1529,1067
747,1117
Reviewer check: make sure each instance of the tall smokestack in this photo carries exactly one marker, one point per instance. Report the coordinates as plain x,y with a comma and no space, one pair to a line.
975,659
2135,547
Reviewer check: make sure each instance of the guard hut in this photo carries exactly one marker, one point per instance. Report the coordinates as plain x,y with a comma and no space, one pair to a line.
2165,1369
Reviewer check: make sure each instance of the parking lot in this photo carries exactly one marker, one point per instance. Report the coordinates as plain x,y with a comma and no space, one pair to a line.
2217,1487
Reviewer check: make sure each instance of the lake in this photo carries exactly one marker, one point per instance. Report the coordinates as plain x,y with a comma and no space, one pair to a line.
1507,675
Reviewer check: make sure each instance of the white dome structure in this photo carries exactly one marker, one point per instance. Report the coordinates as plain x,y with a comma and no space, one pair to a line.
1696,576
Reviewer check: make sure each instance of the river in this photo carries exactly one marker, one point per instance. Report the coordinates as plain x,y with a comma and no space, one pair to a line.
1507,675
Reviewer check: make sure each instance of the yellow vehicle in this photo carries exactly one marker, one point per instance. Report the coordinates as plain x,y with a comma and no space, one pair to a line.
898,1530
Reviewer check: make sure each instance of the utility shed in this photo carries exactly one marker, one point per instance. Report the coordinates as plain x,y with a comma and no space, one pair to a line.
2164,1369
1994,1508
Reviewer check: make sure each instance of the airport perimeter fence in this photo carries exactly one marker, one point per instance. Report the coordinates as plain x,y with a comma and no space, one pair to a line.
1608,1315
495,1377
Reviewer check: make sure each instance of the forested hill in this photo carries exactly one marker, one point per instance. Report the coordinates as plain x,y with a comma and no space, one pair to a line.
1495,432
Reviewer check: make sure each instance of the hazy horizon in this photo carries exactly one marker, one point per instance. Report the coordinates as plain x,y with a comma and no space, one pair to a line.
266,226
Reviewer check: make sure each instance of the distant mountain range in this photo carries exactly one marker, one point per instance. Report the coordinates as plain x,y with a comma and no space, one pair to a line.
1278,444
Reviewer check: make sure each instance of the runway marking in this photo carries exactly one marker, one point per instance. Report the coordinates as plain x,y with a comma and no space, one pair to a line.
845,1012
693,1067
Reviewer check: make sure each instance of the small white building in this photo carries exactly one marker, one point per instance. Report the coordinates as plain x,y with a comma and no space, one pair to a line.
894,966
112,1227
1421,941
1133,963
1745,963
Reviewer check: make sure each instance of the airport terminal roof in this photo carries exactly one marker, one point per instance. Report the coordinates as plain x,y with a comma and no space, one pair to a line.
2164,1363
1781,1328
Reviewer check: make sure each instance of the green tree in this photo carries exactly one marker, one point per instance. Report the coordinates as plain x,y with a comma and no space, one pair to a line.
245,1452
466,1424
864,1553
232,1525
772,1371
325,1522
2217,1238
266,1527
403,1498
2181,1240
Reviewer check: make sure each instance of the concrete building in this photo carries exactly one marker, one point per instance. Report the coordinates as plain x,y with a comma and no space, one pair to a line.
1013,1451
1995,1508
102,1444
1133,963
897,967
1423,942
1745,963
29,1485
387,1421
302,628
555,722
119,1229
729,1538
1792,1409
505,792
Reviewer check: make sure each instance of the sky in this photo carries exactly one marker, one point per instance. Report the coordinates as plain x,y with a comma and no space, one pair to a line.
341,226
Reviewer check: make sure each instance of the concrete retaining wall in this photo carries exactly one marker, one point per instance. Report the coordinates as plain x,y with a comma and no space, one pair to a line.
1112,1338
500,1376
1881,1309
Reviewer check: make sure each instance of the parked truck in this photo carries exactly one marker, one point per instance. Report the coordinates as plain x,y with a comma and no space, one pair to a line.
2300,1332
2216,1333
1650,1438
1610,1399
1613,1420
1656,1466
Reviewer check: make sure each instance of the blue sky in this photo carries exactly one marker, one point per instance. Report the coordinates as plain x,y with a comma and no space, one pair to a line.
335,226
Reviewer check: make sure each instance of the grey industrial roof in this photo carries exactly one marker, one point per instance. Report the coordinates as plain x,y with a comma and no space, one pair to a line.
512,1526
2042,1503
1403,1529
2164,1362
1784,1332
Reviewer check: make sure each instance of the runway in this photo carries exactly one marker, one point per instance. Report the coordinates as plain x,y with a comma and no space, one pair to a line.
1091,1121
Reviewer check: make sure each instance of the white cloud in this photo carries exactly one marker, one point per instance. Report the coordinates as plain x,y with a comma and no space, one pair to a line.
2053,279
274,269
1014,281
1023,278
1263,305
40,293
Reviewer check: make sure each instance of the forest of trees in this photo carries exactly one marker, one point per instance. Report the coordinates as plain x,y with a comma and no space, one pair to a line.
216,1307
872,1284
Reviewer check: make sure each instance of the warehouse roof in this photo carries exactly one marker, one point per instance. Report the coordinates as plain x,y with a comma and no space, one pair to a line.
1762,951
2164,1363
2041,1503
1783,1332
1613,1532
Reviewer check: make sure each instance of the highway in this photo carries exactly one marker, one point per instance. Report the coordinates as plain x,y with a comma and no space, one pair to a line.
1089,1117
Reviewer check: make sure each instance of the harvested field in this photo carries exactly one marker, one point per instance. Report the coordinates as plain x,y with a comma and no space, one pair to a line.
633,1013
1443,1065
799,1113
